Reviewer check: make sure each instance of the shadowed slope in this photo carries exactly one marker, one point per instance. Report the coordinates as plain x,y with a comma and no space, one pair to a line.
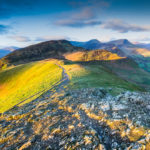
97,75
49,49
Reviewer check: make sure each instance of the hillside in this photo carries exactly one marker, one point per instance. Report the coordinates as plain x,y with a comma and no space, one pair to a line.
61,49
23,81
93,55
122,47
121,42
49,49
92,44
6,50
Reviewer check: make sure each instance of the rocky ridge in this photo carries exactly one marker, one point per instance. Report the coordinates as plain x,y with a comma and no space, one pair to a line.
79,119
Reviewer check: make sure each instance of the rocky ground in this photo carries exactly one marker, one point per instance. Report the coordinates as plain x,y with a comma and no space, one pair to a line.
79,119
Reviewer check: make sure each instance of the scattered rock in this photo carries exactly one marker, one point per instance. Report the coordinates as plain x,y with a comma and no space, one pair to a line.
79,119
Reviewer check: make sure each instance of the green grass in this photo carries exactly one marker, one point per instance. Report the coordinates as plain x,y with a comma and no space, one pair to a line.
130,71
23,81
20,82
97,76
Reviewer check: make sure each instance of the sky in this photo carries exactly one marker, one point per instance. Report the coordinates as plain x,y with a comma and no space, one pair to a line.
26,22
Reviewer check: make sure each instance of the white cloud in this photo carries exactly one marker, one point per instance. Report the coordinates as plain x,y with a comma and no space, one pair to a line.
123,27
47,38
21,38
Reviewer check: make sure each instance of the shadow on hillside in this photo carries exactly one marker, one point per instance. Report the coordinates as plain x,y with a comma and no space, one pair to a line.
125,68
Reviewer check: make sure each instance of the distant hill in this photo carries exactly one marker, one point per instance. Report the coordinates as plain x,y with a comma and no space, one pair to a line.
121,42
130,49
49,49
94,55
96,44
122,47
144,45
92,44
112,46
6,50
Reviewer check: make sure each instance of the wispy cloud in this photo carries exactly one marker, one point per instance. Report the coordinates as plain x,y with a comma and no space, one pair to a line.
21,38
4,29
47,38
123,27
86,14
78,23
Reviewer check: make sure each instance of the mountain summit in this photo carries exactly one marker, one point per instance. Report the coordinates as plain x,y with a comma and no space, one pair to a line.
91,44
121,42
49,49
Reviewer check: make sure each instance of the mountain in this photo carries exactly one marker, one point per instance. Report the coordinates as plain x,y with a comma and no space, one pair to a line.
122,47
144,45
121,42
6,50
113,46
95,44
94,55
92,44
64,50
49,49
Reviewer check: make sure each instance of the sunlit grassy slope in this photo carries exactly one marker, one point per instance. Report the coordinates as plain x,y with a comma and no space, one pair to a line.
23,81
144,52
92,55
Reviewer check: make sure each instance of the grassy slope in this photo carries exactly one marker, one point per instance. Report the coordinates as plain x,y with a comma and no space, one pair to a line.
23,81
84,76
129,70
92,55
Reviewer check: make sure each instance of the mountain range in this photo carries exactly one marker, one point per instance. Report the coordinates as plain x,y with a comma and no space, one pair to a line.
114,53
123,45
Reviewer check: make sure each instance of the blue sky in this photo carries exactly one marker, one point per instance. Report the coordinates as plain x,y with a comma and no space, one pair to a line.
25,22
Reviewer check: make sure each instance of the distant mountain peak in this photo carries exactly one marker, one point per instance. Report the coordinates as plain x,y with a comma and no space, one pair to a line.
121,42
125,41
94,41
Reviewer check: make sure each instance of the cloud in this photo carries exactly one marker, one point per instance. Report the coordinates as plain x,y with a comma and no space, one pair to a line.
77,23
145,39
47,38
21,38
141,39
85,14
123,27
4,29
